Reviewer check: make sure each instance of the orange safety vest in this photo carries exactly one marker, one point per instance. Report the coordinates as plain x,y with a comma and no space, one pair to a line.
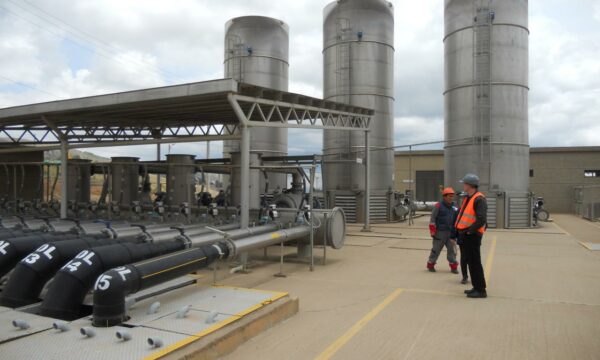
466,216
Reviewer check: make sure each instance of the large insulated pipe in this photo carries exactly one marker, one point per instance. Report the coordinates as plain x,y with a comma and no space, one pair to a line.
205,239
257,53
181,184
76,278
358,69
264,240
7,234
13,250
73,281
31,274
125,179
112,286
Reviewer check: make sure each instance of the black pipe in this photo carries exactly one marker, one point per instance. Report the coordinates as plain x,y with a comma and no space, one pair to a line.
31,274
112,286
73,281
11,233
13,250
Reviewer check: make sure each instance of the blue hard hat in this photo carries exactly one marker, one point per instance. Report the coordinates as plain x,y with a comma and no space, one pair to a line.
470,179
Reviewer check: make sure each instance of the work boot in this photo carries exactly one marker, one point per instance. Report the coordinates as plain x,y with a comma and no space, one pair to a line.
454,268
469,291
477,294
464,281
431,267
454,271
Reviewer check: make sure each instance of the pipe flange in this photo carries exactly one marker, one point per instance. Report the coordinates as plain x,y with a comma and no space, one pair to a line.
187,242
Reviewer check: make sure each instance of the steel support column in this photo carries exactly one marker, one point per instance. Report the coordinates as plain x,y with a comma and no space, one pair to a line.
245,176
367,163
64,158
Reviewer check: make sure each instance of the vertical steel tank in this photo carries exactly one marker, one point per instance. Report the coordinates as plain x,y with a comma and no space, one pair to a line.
181,184
486,88
257,53
358,69
125,179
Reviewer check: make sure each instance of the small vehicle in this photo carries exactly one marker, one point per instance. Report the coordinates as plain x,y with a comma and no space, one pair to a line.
539,213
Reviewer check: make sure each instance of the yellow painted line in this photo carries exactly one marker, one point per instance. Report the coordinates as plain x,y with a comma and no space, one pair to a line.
174,267
490,260
342,340
561,229
242,288
591,223
215,327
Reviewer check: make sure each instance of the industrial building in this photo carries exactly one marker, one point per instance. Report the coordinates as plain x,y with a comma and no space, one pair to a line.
554,174
140,267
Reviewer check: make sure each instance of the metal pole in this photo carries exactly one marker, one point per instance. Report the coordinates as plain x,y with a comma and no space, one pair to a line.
244,186
410,171
64,157
311,203
367,163
324,239
245,176
158,184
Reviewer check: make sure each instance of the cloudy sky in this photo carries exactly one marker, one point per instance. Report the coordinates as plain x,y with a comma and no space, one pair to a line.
56,49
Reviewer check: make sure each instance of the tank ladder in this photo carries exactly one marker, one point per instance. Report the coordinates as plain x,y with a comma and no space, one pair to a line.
482,89
344,65
235,52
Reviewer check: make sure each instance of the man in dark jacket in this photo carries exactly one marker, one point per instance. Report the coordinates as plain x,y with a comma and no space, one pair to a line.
471,225
441,229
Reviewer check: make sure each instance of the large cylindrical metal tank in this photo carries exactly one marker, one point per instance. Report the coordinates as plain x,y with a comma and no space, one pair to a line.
486,89
181,184
79,173
257,53
358,69
125,179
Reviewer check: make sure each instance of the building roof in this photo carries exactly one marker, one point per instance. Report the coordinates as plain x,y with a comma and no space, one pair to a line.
531,150
173,111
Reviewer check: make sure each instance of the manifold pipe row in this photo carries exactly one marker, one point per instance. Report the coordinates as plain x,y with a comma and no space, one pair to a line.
31,274
113,286
72,282
14,249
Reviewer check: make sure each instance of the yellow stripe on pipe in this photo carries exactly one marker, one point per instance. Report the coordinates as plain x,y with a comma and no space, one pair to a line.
490,260
342,340
173,268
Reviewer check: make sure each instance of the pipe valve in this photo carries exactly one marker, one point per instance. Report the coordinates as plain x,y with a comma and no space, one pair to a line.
212,210
136,208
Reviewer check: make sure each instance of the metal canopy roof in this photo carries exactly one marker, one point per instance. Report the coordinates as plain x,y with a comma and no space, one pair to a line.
202,111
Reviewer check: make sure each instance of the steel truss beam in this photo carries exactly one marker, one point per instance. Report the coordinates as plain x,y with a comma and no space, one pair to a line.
261,112
22,135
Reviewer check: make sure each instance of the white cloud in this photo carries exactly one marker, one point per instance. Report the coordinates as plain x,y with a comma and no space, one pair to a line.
136,44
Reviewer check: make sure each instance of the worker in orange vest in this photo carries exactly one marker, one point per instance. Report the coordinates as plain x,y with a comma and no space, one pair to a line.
470,226
442,231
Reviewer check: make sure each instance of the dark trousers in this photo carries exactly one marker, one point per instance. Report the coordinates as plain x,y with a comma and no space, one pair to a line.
472,245
463,261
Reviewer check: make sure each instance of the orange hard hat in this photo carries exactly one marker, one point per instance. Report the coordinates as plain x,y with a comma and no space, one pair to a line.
448,191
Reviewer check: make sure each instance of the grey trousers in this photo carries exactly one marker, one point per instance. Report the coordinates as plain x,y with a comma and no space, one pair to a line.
441,239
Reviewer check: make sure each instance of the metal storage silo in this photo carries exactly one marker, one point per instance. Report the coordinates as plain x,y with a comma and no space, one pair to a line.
486,88
257,53
358,69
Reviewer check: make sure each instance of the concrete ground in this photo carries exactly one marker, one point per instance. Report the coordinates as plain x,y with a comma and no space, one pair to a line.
375,300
